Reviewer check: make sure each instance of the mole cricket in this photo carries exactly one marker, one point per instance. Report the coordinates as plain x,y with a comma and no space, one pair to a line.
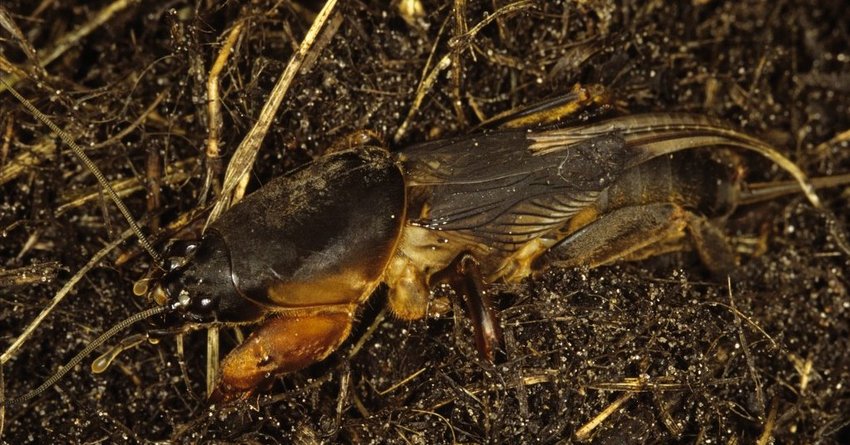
299,256
682,208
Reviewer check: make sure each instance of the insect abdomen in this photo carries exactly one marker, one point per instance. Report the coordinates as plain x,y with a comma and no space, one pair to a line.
699,180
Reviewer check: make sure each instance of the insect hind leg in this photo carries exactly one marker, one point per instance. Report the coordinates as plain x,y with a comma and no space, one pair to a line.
642,231
712,246
464,277
488,333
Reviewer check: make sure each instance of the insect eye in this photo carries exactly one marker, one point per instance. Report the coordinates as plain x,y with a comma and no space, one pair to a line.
204,305
202,308
174,263
179,254
182,249
190,248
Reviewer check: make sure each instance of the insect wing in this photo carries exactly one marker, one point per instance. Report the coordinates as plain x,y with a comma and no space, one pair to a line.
508,187
495,188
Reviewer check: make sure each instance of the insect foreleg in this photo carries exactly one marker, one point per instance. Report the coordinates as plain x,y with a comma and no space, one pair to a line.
283,343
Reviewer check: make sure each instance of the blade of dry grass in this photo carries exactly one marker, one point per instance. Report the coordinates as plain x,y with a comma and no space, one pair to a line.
242,160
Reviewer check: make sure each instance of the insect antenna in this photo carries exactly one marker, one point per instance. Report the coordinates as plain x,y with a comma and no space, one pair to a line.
143,241
118,327
78,151
765,191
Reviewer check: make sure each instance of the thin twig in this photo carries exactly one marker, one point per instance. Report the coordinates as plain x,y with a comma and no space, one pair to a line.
583,433
804,368
742,338
9,25
8,134
12,69
213,363
824,147
214,105
446,421
457,68
421,91
633,384
29,275
2,406
133,125
770,424
368,334
342,398
429,76
12,350
243,158
749,321
67,41
401,383
174,174
465,39
457,44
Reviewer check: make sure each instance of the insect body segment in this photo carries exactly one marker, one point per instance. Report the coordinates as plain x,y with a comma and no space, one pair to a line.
300,254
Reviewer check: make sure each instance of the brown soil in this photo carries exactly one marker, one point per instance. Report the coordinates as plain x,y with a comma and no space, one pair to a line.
685,360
